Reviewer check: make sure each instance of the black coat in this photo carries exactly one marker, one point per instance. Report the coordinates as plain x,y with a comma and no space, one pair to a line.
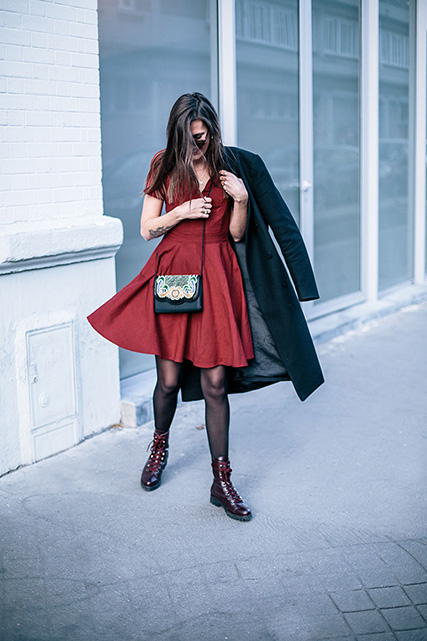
283,346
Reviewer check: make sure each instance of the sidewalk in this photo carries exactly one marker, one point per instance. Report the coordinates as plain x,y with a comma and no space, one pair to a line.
337,548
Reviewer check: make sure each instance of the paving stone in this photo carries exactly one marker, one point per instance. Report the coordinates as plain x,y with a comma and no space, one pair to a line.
422,609
19,594
303,585
61,592
295,565
285,622
406,568
410,577
417,549
315,607
366,622
362,557
319,605
185,577
378,578
220,572
216,625
347,637
224,597
403,618
328,626
12,628
288,622
352,600
147,593
108,611
389,597
381,636
20,566
323,561
339,581
265,588
412,635
417,593
255,568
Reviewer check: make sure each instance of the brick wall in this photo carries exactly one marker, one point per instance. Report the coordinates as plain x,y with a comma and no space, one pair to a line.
50,164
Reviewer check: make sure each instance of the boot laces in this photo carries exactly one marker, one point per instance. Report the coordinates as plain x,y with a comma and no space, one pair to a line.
231,491
158,449
224,475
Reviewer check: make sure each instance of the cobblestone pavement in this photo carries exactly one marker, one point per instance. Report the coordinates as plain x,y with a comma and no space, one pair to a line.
337,548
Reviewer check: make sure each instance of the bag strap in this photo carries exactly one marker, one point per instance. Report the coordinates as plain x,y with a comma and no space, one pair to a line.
203,240
203,233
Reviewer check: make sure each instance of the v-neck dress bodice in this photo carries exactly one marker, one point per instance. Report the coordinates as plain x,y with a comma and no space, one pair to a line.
220,334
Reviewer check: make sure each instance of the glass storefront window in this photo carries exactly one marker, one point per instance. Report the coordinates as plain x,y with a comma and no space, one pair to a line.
395,221
336,190
267,89
151,52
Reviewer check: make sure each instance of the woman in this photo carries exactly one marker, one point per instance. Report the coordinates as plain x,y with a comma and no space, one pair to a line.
248,334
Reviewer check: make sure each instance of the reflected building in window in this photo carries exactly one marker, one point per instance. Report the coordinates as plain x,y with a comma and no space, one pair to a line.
336,152
151,52
267,89
396,221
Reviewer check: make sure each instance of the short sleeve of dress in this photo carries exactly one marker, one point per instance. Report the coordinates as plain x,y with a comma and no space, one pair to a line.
151,175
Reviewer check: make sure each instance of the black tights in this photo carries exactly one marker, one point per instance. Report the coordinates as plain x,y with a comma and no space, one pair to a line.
217,409
169,375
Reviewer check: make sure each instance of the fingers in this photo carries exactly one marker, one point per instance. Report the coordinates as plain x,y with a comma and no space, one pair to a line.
225,184
227,180
198,208
203,207
233,185
223,177
206,206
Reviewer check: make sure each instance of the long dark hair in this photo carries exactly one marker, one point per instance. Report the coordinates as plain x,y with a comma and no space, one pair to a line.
177,159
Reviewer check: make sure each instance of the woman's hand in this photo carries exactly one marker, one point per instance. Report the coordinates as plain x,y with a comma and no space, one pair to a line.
154,225
233,186
196,208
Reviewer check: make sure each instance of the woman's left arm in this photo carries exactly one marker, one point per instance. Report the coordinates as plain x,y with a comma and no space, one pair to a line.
235,187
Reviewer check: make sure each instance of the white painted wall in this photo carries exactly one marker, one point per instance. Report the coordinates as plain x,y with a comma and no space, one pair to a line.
59,379
51,163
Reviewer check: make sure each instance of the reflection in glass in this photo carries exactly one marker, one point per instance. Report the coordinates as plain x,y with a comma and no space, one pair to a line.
151,52
336,81
267,89
395,223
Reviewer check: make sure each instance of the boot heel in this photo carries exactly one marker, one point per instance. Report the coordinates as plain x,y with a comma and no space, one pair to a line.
215,501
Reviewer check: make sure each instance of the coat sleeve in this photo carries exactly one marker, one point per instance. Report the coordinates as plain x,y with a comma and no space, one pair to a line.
278,216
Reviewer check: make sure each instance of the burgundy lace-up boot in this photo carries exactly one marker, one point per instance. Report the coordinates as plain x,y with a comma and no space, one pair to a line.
152,473
223,494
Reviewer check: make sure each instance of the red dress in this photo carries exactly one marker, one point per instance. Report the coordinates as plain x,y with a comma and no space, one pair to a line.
220,334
